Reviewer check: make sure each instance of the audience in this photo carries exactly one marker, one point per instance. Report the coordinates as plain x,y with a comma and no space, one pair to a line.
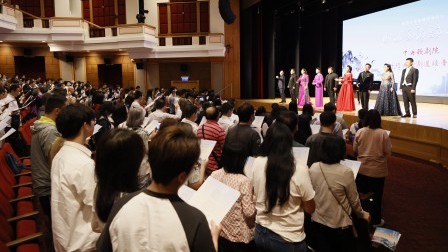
293,107
211,130
357,125
340,123
327,122
336,198
226,121
308,110
159,114
289,118
372,146
156,218
283,192
303,129
73,182
189,112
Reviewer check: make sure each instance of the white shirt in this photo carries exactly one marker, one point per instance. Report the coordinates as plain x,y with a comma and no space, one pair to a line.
136,104
72,197
226,122
235,118
159,115
194,125
288,220
405,75
12,106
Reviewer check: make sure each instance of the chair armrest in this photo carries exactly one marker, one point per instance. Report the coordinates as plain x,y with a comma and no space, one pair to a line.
27,157
23,216
24,184
23,240
22,198
21,174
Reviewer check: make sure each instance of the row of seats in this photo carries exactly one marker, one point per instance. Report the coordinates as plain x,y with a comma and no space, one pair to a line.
18,209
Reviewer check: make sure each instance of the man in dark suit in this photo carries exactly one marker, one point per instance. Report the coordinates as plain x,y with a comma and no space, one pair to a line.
408,84
365,85
331,85
292,86
281,85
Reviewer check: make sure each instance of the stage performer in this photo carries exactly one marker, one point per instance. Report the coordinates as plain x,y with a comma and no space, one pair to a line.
293,89
387,101
408,83
346,97
304,94
318,93
331,85
365,85
281,85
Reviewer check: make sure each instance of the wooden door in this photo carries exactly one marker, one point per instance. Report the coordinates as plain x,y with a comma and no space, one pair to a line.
110,75
31,66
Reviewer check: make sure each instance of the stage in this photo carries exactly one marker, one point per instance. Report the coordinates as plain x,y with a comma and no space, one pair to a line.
425,137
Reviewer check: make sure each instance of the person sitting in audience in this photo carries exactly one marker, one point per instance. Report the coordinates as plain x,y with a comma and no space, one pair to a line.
159,114
336,198
283,192
138,100
293,107
119,115
357,125
303,128
211,130
190,115
261,111
44,133
104,119
308,110
243,133
372,146
289,118
156,219
73,182
226,121
340,123
238,226
117,163
327,122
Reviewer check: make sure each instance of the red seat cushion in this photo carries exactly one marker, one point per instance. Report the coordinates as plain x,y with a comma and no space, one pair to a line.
25,228
25,179
24,191
24,207
26,162
28,248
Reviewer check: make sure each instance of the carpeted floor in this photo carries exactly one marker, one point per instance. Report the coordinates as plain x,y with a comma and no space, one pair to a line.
415,203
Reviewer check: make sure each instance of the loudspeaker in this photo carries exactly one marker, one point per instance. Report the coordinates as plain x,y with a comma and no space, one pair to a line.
183,67
139,65
226,12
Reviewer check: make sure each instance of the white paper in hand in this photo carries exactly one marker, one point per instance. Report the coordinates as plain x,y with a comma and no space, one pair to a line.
151,126
214,199
185,193
203,120
301,154
258,121
206,148
249,167
5,122
340,114
317,116
10,131
353,165
315,129
344,132
388,132
96,129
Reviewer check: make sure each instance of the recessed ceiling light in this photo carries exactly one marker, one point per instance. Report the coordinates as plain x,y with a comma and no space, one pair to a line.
1,41
120,49
43,41
88,51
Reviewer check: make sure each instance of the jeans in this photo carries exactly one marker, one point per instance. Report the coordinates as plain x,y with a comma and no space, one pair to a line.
367,184
267,241
333,239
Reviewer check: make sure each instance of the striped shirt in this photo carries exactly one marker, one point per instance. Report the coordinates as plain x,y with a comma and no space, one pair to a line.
211,130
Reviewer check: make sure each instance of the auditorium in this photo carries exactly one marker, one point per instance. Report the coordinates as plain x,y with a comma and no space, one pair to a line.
223,125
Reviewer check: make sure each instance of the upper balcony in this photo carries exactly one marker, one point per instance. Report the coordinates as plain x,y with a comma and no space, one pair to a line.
71,34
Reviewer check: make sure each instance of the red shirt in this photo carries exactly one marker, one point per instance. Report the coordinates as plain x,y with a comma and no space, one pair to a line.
212,131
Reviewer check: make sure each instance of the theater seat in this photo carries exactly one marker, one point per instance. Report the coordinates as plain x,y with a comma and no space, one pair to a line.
26,234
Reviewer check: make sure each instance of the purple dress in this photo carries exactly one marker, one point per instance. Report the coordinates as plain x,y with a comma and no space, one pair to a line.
319,93
304,95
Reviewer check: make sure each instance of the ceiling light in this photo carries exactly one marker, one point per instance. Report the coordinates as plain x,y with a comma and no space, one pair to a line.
43,41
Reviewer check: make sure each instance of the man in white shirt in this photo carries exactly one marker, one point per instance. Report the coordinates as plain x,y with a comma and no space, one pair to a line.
190,113
138,96
159,115
408,85
226,121
73,182
10,102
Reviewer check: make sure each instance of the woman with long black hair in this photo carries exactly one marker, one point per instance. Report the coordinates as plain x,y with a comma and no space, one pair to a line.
283,192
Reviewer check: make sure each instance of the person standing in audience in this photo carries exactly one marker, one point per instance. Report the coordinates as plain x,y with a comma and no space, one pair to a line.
283,192
73,182
372,146
211,130
336,199
327,124
303,129
138,100
304,93
387,101
159,114
346,97
365,84
117,164
331,84
289,119
308,111
293,88
357,125
156,219
243,133
281,85
226,121
44,133
238,226
318,93
408,85
340,122
190,113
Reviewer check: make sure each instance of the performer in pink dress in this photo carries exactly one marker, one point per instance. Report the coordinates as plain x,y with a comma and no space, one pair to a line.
304,95
346,97
319,89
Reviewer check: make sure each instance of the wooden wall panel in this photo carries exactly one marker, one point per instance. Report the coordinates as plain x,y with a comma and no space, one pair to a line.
232,58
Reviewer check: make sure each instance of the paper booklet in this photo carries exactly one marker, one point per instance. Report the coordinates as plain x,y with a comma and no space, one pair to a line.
214,199
10,132
151,126
206,148
4,123
344,132
96,129
315,129
386,237
353,165
258,121
317,116
203,120
301,154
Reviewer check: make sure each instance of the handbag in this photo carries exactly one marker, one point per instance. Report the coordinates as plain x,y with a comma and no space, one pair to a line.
360,227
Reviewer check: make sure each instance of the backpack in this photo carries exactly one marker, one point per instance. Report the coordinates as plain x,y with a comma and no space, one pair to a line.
16,167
